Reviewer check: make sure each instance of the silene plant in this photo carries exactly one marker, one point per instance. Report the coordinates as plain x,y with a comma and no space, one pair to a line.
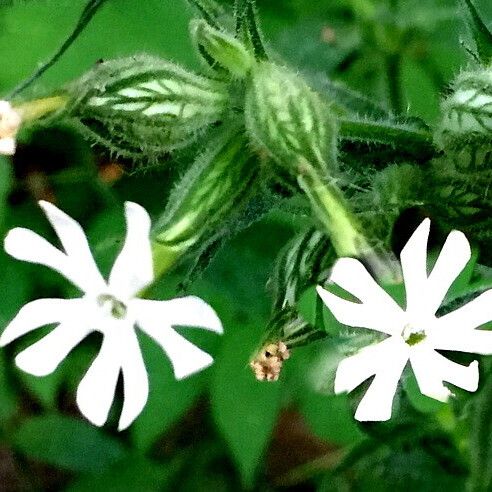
408,323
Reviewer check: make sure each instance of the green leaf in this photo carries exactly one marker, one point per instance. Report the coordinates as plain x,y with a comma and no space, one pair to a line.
481,440
8,396
168,398
134,473
330,417
244,409
480,32
419,401
67,443
45,389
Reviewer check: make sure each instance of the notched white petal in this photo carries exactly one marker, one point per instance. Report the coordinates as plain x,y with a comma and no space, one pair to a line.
182,311
354,370
463,320
433,369
386,360
74,242
413,259
133,269
24,244
372,316
95,393
40,312
377,404
135,380
454,256
186,358
44,356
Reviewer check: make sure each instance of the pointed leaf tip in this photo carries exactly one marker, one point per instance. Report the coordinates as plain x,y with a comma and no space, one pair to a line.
480,32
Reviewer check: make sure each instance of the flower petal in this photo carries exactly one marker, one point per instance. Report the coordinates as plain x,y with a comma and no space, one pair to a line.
74,242
133,269
186,358
363,315
182,311
431,369
7,146
413,259
471,315
40,312
26,245
95,393
44,356
354,370
377,403
454,256
136,384
470,341
455,330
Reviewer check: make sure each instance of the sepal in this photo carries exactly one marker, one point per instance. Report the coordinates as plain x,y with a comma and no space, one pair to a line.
142,107
221,48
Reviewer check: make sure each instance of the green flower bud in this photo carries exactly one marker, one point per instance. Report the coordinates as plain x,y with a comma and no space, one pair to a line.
143,107
299,266
216,186
221,48
467,112
289,120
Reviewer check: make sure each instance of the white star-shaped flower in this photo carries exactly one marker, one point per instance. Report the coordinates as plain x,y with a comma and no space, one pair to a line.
415,334
10,122
111,308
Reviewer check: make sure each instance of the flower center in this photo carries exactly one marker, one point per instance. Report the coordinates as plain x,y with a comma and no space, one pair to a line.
114,306
412,336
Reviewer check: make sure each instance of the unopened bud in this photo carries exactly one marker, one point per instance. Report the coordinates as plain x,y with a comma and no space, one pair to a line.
216,186
143,107
222,48
467,112
288,119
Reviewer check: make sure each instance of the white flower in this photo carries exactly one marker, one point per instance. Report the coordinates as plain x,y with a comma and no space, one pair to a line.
10,122
415,334
109,307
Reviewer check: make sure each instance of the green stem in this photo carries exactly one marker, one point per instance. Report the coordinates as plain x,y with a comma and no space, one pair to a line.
342,226
416,141
87,14
330,208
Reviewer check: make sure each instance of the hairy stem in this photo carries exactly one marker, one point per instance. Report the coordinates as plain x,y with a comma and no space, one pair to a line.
341,224
415,141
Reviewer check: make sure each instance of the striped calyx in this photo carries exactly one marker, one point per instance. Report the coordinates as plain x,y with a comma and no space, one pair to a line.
467,112
285,117
143,107
299,266
221,48
216,186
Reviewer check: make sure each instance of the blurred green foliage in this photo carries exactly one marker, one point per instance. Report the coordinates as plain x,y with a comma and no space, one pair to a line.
219,430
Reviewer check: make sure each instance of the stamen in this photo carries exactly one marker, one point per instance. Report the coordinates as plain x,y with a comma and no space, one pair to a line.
117,308
412,336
